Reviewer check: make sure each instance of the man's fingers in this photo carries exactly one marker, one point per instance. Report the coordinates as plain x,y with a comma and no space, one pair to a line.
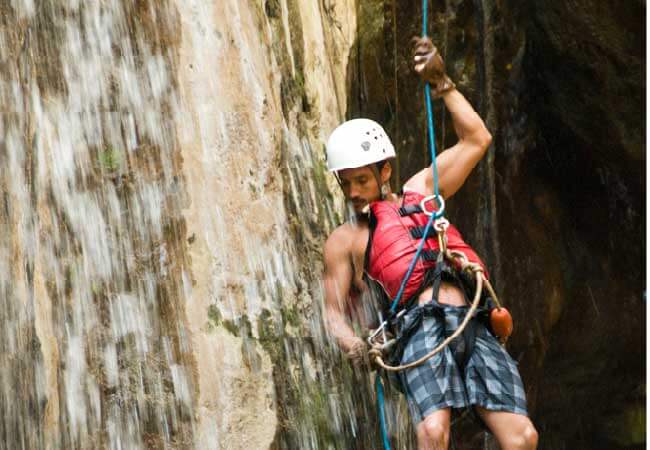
418,40
421,46
357,352
422,49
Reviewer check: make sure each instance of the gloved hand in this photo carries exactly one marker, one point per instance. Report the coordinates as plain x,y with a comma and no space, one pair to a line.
357,352
430,66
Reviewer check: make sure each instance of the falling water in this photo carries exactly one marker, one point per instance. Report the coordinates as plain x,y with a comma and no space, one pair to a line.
92,348
105,335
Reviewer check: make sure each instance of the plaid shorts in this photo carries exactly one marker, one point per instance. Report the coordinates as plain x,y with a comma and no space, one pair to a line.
490,379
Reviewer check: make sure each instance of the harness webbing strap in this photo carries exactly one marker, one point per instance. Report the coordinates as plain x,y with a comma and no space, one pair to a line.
418,233
409,209
429,255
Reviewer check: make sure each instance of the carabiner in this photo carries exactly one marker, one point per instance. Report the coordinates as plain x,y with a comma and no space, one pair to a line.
441,205
441,224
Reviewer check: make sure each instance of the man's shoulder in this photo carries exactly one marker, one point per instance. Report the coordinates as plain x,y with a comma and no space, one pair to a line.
343,236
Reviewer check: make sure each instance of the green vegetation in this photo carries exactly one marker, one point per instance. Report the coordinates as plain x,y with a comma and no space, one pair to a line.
110,160
215,320
629,427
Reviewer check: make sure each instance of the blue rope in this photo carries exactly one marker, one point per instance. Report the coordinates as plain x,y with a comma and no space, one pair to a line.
427,99
432,137
434,167
425,13
393,307
382,415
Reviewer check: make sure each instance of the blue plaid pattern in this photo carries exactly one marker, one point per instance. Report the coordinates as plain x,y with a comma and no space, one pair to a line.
491,378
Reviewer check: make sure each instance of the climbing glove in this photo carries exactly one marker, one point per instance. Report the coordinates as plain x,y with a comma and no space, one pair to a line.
430,66
357,353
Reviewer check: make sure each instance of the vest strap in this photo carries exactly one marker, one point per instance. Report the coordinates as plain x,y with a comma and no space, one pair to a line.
409,209
429,255
418,233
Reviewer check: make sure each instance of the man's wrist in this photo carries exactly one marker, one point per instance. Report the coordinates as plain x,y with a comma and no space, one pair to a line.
444,86
346,343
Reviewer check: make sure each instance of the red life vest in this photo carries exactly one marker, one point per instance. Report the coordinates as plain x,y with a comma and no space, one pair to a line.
395,235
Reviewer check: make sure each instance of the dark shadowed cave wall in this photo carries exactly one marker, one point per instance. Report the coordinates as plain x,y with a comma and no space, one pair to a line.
557,206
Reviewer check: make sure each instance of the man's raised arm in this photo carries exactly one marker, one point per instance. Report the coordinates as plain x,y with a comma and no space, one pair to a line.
456,163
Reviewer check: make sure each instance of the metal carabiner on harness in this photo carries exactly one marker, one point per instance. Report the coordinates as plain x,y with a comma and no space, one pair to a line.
440,225
437,212
382,328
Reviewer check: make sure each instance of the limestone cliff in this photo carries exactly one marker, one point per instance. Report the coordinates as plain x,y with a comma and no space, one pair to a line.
165,200
164,203
261,85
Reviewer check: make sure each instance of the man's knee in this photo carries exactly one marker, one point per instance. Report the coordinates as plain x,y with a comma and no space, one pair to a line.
524,439
530,437
437,433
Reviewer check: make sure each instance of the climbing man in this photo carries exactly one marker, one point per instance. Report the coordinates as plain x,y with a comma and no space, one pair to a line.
372,252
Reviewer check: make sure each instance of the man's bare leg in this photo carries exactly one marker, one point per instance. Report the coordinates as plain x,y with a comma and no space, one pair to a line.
512,431
433,431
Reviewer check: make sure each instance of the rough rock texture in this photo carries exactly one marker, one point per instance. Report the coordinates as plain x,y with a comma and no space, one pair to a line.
91,249
556,207
164,199
584,67
261,86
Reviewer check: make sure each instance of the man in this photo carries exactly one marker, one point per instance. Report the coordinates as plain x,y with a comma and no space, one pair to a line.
358,253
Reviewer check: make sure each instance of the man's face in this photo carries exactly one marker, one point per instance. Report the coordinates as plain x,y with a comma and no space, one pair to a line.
359,186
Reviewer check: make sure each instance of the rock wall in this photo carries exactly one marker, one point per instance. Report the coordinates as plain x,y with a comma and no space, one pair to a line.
164,202
261,86
584,67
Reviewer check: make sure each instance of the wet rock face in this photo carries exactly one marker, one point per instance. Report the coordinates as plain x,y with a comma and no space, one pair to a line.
556,207
164,196
585,68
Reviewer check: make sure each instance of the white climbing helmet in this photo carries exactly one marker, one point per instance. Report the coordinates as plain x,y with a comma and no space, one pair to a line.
357,143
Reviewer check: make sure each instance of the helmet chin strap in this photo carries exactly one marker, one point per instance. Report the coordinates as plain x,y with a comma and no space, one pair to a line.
375,172
380,185
338,180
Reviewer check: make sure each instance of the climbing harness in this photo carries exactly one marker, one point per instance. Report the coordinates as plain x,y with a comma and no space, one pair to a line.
379,343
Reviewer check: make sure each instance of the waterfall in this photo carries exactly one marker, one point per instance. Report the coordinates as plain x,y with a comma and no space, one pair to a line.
93,344
164,203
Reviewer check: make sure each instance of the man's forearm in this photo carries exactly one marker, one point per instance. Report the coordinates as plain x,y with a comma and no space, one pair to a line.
467,123
338,327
